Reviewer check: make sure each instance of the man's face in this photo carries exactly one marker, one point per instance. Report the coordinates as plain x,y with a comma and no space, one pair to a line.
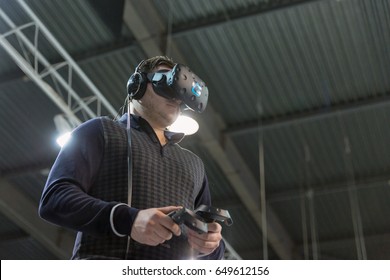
157,109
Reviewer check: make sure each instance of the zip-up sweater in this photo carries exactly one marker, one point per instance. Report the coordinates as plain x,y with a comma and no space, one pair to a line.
87,188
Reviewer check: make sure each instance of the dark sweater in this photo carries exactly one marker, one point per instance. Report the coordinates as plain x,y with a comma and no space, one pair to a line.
89,178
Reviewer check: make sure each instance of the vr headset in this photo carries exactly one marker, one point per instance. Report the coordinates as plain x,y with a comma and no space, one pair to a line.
178,83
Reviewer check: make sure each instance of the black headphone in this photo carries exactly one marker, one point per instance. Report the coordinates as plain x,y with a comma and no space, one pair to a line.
136,85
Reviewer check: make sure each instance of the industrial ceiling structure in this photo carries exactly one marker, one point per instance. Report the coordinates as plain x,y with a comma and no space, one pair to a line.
294,137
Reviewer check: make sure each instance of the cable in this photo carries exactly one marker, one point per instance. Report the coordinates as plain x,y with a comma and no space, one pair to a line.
313,222
121,110
304,184
354,203
129,166
263,201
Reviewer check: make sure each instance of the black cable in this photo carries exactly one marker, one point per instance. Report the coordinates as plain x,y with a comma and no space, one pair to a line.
129,165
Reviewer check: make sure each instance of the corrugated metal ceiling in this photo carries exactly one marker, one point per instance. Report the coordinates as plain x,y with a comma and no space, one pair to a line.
311,79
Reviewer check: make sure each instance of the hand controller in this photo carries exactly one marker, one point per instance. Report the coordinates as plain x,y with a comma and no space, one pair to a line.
189,219
211,214
198,219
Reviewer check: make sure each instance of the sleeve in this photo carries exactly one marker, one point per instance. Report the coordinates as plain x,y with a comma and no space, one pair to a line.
204,198
65,200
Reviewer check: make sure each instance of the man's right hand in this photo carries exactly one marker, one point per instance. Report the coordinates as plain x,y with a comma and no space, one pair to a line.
153,227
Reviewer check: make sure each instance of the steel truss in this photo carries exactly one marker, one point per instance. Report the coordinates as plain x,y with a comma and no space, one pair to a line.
56,80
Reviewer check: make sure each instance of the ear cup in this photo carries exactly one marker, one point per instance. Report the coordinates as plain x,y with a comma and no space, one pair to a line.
136,85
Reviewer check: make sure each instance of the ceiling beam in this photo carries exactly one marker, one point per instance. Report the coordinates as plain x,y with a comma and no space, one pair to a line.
138,26
380,244
374,101
24,213
330,188
227,156
228,16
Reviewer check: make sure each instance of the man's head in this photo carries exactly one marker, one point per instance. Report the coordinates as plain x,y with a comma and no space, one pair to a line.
177,81
136,85
159,111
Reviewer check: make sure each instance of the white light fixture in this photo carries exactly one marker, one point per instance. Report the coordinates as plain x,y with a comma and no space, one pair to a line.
184,124
64,128
64,138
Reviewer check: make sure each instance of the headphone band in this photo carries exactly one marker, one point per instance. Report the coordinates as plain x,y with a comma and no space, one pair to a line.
139,66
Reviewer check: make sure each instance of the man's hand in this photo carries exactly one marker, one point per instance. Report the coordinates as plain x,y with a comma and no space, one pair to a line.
206,243
153,226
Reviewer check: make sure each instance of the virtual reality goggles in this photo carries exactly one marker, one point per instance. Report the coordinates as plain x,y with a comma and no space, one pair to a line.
182,84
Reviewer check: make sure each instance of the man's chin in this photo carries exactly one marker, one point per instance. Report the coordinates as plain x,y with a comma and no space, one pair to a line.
170,119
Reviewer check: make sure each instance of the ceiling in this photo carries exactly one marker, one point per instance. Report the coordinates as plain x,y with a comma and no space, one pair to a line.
294,137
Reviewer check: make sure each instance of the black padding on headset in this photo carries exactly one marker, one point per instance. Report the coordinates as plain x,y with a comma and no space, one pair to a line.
136,85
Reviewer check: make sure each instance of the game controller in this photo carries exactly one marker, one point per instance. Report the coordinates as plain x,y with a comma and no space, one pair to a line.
188,218
212,214
197,220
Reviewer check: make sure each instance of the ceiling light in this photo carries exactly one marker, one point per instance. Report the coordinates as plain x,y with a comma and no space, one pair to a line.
64,128
64,138
185,124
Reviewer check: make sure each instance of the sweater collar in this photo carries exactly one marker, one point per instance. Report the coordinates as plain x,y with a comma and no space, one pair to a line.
139,123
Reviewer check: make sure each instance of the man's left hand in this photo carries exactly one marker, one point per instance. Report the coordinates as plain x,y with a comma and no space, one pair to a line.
206,243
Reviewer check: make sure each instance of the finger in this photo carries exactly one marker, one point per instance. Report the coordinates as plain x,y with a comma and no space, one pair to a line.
214,227
162,232
160,235
169,209
147,228
203,246
155,240
205,238
168,223
210,236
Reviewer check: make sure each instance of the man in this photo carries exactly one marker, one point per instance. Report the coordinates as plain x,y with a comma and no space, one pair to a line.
87,188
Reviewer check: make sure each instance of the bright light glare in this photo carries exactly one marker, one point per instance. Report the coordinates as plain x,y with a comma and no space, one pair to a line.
185,125
63,139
